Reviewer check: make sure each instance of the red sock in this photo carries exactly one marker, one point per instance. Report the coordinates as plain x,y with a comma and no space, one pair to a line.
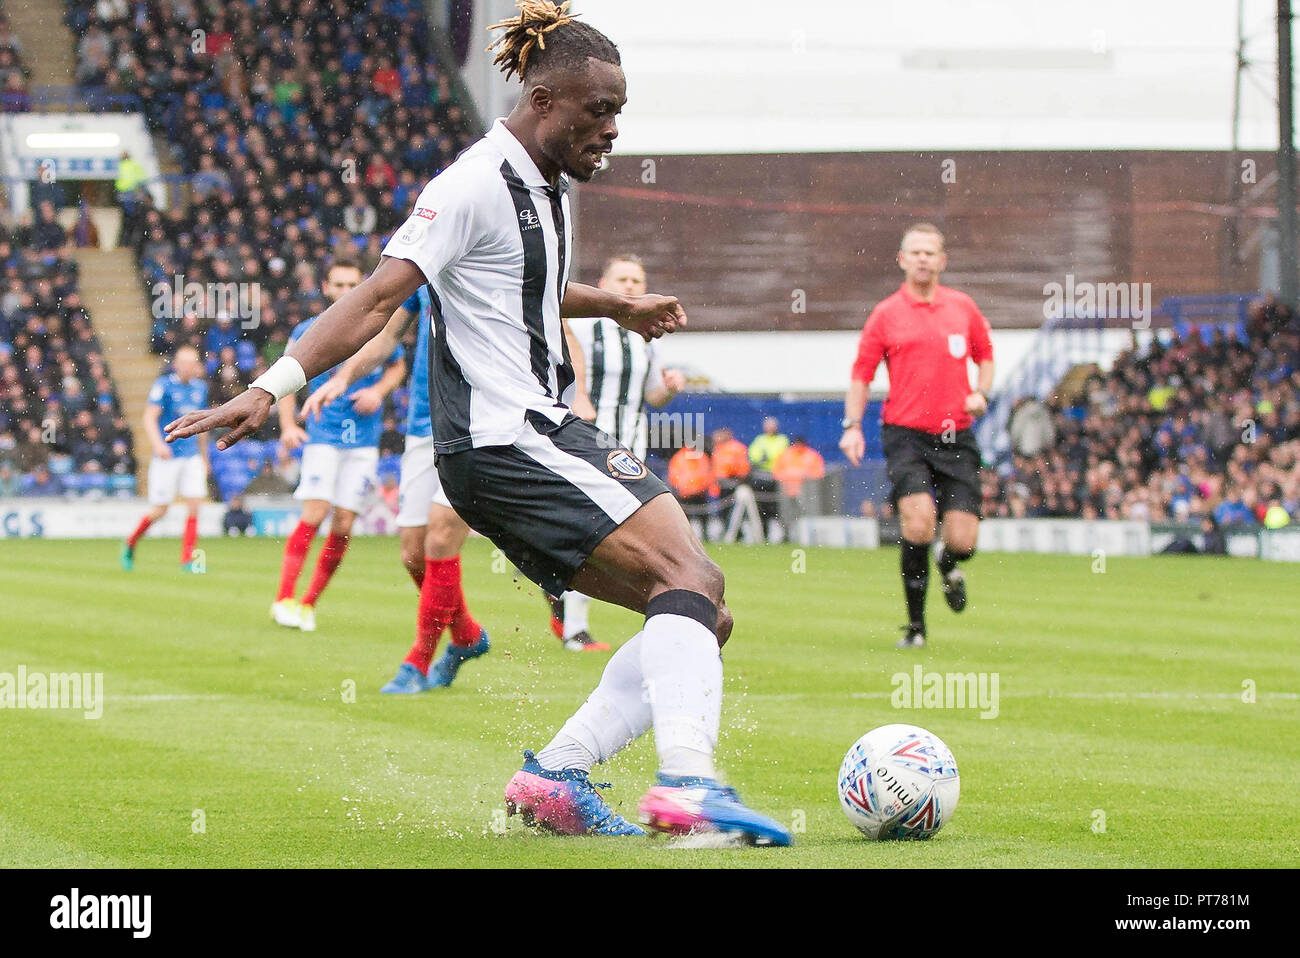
145,523
464,629
331,554
438,602
190,537
295,553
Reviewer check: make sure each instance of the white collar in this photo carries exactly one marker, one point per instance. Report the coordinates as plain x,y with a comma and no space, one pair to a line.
505,141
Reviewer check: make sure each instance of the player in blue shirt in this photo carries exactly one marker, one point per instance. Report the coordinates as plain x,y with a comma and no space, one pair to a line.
431,533
339,456
180,468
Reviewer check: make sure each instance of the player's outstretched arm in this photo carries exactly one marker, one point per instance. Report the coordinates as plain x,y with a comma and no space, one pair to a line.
339,332
362,364
649,315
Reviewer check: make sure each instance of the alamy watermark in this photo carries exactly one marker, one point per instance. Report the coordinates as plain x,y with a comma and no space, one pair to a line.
53,690
178,298
669,430
920,689
1074,299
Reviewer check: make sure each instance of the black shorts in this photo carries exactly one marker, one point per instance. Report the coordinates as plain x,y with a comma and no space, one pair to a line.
551,497
920,461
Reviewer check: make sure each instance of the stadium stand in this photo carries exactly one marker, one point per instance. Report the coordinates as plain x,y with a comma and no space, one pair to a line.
61,424
305,129
1203,423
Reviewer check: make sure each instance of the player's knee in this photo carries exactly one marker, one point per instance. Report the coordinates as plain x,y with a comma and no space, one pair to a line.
445,536
413,556
725,624
341,524
918,529
710,582
960,550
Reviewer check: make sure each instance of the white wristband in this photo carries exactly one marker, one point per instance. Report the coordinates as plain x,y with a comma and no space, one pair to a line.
283,379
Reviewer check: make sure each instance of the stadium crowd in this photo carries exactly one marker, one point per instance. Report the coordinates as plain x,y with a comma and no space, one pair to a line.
306,129
14,73
1203,424
61,423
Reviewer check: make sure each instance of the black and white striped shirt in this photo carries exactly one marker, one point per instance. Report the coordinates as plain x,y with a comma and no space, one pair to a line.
619,366
492,238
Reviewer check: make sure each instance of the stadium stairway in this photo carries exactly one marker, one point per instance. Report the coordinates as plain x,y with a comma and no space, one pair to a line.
119,309
1071,386
47,44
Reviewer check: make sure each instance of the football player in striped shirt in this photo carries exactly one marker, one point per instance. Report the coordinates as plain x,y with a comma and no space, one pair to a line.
490,237
622,373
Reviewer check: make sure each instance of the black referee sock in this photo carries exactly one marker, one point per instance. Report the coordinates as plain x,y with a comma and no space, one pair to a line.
949,557
916,578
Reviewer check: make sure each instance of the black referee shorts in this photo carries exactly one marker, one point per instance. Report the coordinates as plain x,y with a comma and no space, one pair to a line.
920,461
551,497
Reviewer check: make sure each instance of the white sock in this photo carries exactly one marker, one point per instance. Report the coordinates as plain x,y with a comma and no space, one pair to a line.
613,715
682,667
575,613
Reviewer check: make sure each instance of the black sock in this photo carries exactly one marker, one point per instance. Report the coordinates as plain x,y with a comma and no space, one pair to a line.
916,577
949,557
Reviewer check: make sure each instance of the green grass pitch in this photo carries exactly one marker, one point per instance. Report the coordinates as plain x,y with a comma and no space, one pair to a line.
226,741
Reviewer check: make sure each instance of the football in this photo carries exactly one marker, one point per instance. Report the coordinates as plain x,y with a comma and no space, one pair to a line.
899,782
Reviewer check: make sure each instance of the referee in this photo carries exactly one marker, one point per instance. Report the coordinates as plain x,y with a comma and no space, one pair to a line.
926,333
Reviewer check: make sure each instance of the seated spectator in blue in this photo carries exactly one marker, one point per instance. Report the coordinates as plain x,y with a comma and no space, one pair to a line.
224,332
1233,512
89,447
119,461
9,484
43,483
237,519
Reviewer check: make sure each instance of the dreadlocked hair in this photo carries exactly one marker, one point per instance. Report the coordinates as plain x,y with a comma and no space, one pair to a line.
523,50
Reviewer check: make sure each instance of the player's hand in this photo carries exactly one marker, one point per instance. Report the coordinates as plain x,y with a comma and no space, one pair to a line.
163,452
334,388
977,404
292,436
652,315
244,415
854,445
674,380
365,401
582,407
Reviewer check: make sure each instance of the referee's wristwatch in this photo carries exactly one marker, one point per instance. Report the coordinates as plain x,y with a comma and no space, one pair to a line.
846,423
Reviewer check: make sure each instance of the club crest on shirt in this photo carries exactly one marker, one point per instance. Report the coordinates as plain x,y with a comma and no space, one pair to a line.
413,229
529,220
623,465
956,345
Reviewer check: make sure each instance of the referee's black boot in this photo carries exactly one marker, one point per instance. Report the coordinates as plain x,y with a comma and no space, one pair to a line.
954,583
914,639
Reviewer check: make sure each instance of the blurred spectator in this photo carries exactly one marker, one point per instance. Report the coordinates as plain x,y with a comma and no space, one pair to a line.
1214,542
730,459
237,519
43,483
796,464
763,453
690,474
9,484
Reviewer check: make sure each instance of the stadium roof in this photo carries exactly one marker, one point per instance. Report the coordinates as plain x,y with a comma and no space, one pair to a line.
843,75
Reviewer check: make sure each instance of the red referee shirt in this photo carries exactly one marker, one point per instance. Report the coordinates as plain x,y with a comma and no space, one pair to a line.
925,347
